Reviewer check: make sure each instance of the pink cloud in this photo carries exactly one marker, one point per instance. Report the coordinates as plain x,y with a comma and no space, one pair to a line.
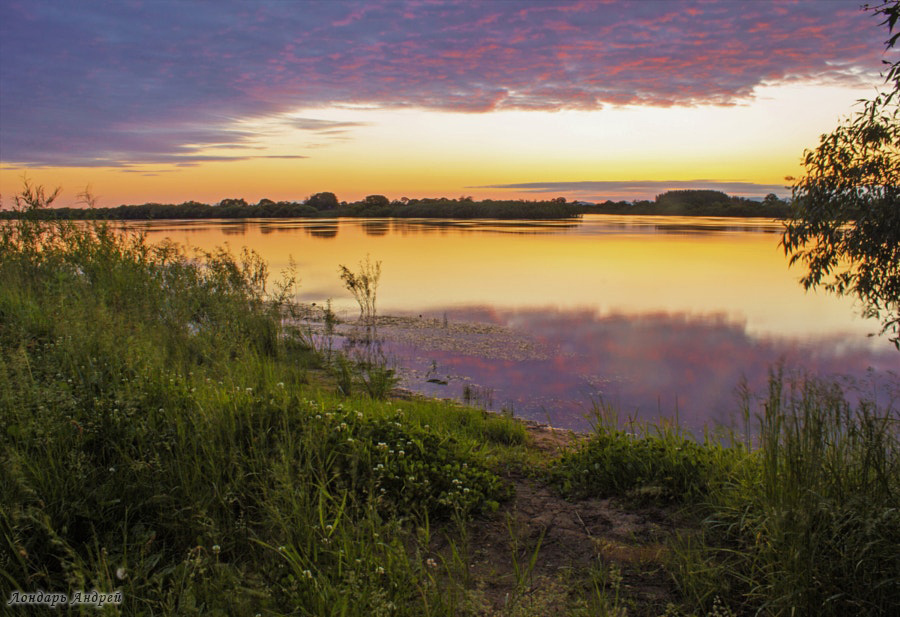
78,72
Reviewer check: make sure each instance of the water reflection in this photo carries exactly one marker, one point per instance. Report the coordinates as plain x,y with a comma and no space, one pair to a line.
235,228
647,366
322,230
589,224
376,227
482,226
649,313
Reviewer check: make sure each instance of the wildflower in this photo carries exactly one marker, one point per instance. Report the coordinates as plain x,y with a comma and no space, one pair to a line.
349,440
216,548
280,384
307,574
379,570
329,528
248,389
121,573
401,452
431,563
382,445
282,549
359,415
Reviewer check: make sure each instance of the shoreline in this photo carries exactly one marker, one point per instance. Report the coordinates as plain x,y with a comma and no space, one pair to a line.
424,334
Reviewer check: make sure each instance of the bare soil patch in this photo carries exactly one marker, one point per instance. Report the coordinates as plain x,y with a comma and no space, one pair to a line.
542,554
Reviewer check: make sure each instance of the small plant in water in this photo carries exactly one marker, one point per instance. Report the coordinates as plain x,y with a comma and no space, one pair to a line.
364,287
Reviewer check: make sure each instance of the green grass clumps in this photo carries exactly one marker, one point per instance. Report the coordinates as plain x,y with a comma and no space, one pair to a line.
809,524
802,518
165,432
404,469
159,435
654,463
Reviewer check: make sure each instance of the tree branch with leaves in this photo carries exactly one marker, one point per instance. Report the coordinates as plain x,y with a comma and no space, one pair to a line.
844,225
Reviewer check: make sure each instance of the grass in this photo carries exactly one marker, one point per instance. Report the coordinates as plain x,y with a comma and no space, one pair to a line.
160,436
809,523
644,462
166,432
804,522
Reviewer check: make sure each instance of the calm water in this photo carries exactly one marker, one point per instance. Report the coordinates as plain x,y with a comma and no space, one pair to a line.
652,315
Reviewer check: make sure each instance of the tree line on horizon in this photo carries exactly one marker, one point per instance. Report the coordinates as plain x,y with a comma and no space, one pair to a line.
327,205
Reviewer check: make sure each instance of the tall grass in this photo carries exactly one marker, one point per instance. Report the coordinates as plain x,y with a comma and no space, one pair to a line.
809,523
159,436
799,517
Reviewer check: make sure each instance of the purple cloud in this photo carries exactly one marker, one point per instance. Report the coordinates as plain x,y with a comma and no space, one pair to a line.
96,83
640,189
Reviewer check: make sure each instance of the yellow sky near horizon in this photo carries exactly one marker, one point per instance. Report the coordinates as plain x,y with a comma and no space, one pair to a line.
418,153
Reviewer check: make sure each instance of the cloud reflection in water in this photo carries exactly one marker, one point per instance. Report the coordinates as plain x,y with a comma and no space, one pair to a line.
646,366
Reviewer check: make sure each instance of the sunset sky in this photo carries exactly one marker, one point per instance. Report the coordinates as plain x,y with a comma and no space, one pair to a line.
175,101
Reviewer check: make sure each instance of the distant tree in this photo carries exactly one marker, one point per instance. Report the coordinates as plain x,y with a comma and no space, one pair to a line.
265,202
233,202
844,226
323,201
376,201
772,200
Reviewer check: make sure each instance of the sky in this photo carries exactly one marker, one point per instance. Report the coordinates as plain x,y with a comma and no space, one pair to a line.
162,101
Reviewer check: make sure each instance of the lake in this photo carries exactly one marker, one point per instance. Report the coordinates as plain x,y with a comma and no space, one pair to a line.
654,316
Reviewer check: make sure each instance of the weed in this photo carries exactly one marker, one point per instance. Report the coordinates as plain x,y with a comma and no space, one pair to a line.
647,462
809,523
159,437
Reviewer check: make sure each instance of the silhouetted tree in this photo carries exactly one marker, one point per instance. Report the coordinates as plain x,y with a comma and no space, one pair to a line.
845,220
772,200
323,201
230,203
376,201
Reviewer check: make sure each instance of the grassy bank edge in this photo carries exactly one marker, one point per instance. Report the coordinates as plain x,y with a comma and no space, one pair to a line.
167,435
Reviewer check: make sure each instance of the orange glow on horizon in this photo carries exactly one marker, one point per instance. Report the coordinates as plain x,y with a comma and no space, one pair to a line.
415,153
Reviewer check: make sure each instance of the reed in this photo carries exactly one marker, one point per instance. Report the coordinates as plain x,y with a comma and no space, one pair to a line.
161,437
809,522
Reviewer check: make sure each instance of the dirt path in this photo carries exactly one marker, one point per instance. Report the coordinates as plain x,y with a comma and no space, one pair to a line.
544,555
541,554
